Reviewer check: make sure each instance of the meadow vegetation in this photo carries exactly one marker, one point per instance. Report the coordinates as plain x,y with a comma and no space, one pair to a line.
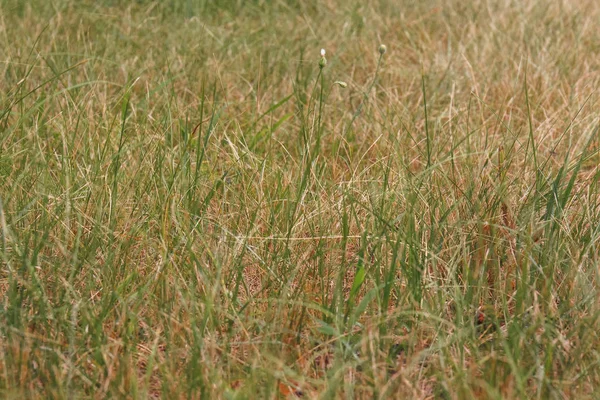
191,207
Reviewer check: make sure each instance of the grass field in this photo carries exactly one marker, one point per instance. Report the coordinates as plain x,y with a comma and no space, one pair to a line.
194,205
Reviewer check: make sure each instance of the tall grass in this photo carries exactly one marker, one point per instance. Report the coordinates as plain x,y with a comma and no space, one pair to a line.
190,207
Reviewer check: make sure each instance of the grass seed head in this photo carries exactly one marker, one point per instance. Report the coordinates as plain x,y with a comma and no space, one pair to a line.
323,60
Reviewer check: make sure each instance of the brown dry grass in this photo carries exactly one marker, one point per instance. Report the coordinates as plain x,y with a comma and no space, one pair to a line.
168,232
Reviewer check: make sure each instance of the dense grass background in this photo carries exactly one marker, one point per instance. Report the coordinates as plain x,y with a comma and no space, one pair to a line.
191,208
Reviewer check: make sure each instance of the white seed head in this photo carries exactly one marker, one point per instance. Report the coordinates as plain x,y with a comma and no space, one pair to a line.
382,49
322,52
341,84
